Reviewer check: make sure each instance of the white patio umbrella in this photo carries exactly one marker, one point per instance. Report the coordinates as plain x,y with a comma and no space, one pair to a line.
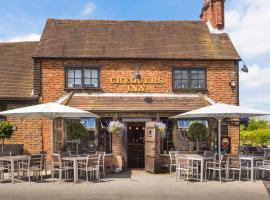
220,111
48,110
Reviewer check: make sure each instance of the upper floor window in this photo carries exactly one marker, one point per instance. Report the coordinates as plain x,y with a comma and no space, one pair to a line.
82,77
189,78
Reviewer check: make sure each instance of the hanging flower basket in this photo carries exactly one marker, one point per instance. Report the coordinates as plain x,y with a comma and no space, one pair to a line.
115,127
161,127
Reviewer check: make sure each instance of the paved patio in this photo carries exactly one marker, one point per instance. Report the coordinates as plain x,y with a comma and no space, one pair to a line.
135,185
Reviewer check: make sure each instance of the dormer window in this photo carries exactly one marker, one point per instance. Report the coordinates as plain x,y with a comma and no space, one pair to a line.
82,77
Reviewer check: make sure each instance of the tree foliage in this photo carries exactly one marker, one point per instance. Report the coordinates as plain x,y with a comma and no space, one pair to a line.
6,131
76,131
197,131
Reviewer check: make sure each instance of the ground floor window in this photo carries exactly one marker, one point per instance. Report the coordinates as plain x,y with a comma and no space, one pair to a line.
167,143
104,137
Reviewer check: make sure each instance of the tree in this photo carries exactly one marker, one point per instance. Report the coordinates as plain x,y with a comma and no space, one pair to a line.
197,131
76,131
6,131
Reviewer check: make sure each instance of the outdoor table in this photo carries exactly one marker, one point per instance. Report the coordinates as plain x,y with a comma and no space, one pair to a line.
12,160
75,164
252,159
201,159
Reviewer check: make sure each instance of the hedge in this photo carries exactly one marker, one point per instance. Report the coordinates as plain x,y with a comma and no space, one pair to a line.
257,137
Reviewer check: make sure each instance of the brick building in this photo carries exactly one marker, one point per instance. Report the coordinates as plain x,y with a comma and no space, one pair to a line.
91,64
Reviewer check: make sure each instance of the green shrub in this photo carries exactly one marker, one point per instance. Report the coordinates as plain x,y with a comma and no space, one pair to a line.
76,131
257,137
197,131
6,131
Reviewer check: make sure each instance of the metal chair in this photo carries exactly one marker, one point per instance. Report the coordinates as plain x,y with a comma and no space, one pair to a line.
262,166
172,159
34,164
218,165
60,166
183,165
234,163
4,167
90,166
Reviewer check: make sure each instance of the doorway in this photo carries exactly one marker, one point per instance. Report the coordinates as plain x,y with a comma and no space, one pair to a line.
135,144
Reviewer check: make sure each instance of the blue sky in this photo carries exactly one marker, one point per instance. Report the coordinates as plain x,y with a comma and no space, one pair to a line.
246,22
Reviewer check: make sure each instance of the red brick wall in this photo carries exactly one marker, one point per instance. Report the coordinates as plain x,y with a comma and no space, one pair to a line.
219,76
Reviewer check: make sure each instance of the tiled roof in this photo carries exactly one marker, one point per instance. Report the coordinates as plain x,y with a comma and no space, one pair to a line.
137,102
133,39
16,69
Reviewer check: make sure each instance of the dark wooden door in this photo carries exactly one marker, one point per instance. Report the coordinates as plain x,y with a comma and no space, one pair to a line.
135,144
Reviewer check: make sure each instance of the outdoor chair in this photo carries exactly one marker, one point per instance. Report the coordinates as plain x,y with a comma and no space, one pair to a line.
266,156
262,166
34,164
60,166
4,167
217,165
234,163
184,165
90,166
172,159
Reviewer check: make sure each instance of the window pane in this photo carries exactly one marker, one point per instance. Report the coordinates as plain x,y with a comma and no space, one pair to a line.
94,82
184,83
94,73
201,75
177,83
78,74
185,74
194,75
201,83
194,84
70,82
87,82
177,74
78,82
87,73
70,73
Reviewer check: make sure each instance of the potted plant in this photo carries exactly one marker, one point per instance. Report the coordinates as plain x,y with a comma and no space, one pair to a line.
197,131
6,131
115,126
161,127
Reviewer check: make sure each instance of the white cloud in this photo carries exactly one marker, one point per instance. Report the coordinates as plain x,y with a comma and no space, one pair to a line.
256,78
30,37
88,9
247,22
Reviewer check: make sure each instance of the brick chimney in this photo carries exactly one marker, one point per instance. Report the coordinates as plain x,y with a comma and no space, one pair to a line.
213,12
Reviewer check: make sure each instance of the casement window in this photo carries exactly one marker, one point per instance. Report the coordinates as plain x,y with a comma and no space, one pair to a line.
85,77
189,78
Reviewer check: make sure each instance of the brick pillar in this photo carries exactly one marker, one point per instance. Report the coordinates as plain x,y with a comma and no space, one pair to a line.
116,150
234,133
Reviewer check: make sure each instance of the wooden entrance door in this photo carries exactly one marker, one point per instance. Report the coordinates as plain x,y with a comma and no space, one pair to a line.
151,146
135,144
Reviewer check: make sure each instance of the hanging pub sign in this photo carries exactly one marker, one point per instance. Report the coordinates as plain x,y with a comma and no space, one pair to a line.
226,145
136,85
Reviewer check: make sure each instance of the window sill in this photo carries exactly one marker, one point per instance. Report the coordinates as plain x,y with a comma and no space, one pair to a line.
82,89
190,90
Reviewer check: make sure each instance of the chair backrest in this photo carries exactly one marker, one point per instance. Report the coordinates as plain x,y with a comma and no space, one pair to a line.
93,160
36,160
56,160
102,157
2,154
234,161
181,160
172,155
267,155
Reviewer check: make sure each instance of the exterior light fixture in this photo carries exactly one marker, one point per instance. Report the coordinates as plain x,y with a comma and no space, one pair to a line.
233,84
244,68
137,75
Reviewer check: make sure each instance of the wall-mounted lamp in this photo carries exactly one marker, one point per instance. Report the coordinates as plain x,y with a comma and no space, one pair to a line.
244,67
233,84
137,75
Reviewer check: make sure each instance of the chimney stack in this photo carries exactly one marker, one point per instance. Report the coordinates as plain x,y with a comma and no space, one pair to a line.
213,12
